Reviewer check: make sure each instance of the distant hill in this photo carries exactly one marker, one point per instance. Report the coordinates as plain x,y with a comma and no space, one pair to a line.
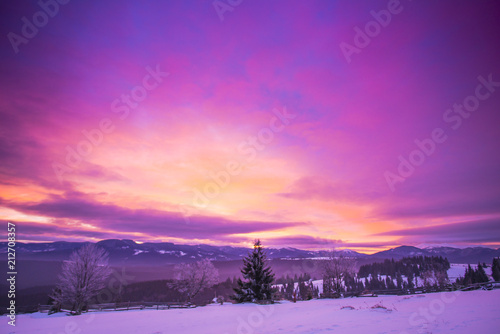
454,255
128,252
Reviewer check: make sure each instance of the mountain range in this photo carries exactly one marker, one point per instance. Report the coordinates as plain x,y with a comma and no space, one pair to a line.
128,252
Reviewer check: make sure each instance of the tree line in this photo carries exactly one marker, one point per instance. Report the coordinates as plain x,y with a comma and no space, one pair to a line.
84,274
298,288
478,275
414,265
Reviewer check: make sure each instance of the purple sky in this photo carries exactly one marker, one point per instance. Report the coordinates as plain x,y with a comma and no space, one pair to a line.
202,122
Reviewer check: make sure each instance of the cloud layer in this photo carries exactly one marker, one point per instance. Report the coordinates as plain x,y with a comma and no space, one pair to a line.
97,141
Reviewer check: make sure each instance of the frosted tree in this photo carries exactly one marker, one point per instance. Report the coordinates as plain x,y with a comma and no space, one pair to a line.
428,277
258,277
192,278
82,277
335,269
442,278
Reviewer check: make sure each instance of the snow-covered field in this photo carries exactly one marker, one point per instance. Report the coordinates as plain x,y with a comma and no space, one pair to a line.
446,312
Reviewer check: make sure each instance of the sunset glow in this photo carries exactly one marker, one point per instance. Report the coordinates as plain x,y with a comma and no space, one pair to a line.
158,121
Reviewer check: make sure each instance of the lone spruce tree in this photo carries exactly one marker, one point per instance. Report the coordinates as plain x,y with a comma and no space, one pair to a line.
258,277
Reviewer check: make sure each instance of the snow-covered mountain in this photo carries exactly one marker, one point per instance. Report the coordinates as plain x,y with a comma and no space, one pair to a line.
400,252
454,255
129,252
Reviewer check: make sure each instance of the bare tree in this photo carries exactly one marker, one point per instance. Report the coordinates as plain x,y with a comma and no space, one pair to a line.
442,278
192,278
434,277
335,268
428,278
82,277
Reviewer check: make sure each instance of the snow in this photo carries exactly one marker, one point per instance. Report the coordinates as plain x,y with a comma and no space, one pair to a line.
43,250
457,312
318,284
178,253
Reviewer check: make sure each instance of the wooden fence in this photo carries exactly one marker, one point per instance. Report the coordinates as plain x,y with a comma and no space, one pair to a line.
124,306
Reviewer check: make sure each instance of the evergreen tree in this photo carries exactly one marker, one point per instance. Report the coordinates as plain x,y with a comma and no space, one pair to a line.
399,280
495,269
411,285
481,276
289,289
305,291
472,276
258,277
469,277
389,283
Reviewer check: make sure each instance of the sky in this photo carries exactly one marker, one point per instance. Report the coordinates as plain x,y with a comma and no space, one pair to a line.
310,124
